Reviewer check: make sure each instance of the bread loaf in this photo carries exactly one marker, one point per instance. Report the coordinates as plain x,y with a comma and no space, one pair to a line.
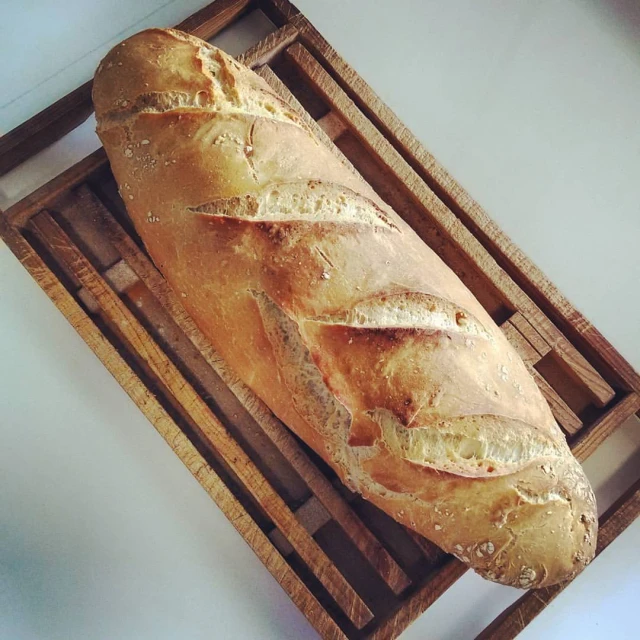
329,306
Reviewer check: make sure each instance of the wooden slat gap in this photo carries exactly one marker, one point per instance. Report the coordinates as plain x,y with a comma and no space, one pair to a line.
312,515
333,125
120,278
278,11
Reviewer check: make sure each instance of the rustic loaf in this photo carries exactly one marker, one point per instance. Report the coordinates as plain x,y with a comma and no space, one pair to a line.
337,315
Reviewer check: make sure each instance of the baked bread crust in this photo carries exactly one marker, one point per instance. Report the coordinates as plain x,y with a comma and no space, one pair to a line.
330,307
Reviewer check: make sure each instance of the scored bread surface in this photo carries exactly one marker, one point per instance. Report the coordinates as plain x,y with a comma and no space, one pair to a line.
329,306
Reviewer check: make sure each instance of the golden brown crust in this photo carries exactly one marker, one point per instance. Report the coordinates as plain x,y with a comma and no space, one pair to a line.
337,315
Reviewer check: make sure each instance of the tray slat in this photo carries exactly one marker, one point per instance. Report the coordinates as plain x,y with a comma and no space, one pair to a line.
213,18
590,438
18,214
268,48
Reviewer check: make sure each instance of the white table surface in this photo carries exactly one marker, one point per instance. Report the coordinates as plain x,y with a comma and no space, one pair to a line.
533,106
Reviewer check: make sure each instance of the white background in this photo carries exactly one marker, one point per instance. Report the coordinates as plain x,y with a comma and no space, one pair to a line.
532,105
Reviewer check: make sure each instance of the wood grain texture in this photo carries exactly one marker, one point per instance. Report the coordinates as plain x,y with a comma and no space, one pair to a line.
171,433
213,18
575,363
407,543
268,48
19,214
337,507
524,348
312,515
423,165
434,554
530,334
420,601
591,437
562,412
514,619
264,453
278,11
43,129
566,418
120,277
213,431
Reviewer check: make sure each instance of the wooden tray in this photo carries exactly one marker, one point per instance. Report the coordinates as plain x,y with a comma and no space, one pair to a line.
349,568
